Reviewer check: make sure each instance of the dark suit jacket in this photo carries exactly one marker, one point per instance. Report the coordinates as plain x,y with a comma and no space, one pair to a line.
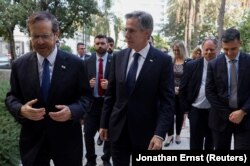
191,82
90,65
217,91
69,86
148,110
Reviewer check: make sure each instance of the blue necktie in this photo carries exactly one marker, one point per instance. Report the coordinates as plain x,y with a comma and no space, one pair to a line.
131,77
45,80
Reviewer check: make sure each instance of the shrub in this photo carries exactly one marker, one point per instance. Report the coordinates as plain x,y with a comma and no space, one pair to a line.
9,132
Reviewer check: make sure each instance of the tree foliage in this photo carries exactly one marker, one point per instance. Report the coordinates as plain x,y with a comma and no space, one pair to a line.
200,17
71,14
245,33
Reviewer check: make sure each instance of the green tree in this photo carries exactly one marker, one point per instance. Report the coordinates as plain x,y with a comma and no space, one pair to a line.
71,14
101,22
159,42
245,33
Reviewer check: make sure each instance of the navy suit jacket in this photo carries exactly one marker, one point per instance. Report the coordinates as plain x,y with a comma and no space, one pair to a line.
90,65
148,110
217,91
69,86
191,82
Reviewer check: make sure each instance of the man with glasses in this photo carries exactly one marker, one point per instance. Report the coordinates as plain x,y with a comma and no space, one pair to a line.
48,97
228,91
81,51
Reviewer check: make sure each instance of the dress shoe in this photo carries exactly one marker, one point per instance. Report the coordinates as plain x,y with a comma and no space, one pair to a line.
177,139
169,141
107,163
99,141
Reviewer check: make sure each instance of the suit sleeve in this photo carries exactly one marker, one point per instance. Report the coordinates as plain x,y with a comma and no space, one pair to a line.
13,99
82,104
212,94
166,98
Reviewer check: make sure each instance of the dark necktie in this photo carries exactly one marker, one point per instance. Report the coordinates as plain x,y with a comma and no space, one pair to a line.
45,80
131,77
100,76
233,85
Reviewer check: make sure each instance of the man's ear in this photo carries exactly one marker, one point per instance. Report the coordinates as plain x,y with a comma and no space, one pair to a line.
57,34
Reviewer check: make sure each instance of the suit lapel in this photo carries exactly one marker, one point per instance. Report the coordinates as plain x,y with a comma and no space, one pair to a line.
58,73
223,69
146,67
92,67
124,64
33,74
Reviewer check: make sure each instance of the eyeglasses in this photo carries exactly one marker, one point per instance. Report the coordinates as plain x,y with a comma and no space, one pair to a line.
43,37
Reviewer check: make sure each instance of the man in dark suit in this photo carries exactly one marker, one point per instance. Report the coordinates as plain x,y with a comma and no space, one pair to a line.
48,97
139,102
192,95
81,51
98,65
228,91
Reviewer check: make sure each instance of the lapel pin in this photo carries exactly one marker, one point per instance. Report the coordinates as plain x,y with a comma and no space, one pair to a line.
63,67
151,60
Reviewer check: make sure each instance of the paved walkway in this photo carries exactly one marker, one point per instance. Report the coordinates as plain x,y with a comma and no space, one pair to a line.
184,145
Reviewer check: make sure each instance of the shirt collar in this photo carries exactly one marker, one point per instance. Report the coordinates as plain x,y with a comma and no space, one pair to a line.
143,52
51,58
236,58
104,57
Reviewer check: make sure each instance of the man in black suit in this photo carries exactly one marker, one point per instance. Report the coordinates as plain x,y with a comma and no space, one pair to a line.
98,65
139,102
81,51
48,97
228,91
192,95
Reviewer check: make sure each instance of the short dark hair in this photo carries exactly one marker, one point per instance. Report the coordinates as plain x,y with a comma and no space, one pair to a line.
101,36
230,35
42,16
110,39
80,43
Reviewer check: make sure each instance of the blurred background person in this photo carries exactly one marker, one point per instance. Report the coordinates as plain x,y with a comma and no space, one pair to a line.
196,54
81,51
97,69
164,50
192,95
179,60
111,45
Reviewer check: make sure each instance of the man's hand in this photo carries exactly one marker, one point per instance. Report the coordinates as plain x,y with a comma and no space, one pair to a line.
237,116
104,84
103,133
61,116
92,82
155,143
27,111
